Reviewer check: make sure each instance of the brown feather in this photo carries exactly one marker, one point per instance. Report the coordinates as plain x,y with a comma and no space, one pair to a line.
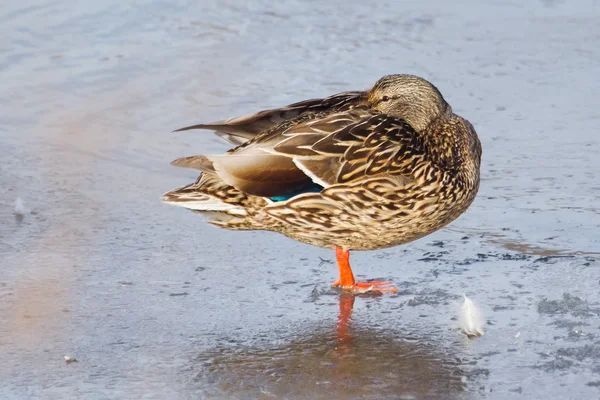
344,147
195,162
260,174
251,125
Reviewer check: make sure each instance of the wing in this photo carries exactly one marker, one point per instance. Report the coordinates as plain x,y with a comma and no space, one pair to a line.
338,148
346,147
369,168
238,130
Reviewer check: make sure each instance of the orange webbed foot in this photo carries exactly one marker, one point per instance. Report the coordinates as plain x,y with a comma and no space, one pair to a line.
347,281
375,285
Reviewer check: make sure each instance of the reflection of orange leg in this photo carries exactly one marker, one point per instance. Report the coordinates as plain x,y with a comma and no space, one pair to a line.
343,324
348,282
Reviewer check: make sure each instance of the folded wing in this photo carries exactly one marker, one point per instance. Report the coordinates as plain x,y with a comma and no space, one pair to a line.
338,148
238,130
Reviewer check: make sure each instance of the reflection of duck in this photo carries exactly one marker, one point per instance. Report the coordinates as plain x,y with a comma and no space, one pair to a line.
354,171
355,363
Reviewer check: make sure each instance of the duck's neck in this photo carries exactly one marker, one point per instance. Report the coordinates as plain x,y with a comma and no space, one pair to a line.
454,147
423,118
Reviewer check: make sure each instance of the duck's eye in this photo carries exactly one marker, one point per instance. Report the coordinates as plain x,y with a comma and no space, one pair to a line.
385,98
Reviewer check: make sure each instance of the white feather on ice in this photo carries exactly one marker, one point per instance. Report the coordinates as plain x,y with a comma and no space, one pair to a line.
20,209
470,318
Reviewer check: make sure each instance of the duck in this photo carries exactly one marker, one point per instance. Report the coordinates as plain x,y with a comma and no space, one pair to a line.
358,170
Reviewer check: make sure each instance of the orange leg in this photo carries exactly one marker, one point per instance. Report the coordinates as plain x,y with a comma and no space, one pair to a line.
348,282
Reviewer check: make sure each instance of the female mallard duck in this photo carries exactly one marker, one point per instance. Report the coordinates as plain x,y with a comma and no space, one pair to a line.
354,171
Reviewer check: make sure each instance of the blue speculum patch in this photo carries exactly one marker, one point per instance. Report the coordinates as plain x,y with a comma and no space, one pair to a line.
314,188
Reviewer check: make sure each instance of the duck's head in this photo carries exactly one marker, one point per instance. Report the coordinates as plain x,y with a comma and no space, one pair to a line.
409,97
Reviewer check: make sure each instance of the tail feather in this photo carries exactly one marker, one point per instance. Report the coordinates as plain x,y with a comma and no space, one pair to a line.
239,130
199,202
201,163
233,134
224,127
224,205
200,197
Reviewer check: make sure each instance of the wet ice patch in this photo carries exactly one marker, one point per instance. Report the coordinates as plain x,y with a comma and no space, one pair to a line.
569,304
470,318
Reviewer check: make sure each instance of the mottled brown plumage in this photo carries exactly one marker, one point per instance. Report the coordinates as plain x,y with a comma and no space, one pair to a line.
394,163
